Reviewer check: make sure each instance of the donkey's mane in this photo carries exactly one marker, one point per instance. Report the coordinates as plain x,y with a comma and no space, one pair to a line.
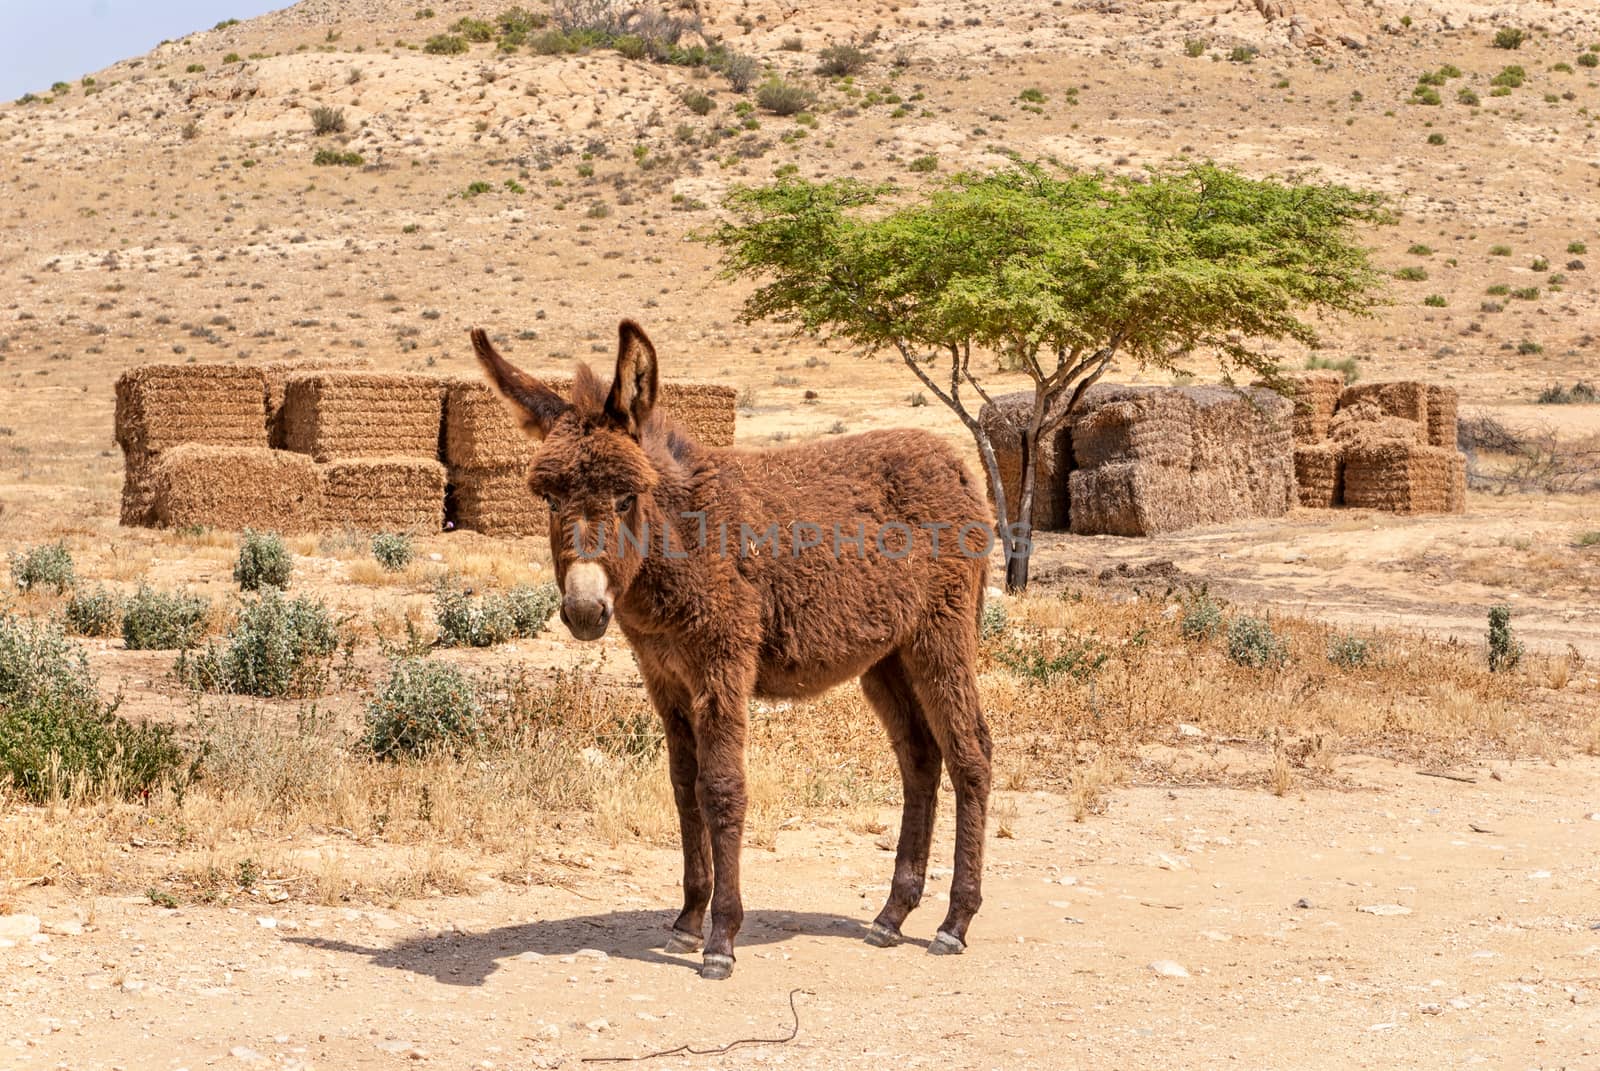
663,439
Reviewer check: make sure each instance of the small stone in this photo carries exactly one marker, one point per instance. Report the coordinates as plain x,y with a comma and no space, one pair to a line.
549,1032
18,927
1302,903
1384,909
592,953
1581,996
266,922
598,1026
1430,1009
1185,729
1167,968
65,928
245,1054
1500,775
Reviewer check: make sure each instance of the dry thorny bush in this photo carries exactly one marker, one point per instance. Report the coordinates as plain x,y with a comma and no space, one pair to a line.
1080,692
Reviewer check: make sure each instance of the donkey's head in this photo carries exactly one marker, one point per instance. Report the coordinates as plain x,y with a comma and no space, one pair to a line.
591,471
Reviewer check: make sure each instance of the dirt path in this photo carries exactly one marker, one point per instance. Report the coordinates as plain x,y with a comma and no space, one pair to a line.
1495,960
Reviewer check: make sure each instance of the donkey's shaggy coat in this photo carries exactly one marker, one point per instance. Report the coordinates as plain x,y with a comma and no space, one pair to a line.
876,573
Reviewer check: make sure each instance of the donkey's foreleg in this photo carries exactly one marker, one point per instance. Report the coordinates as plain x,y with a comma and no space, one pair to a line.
685,767
720,739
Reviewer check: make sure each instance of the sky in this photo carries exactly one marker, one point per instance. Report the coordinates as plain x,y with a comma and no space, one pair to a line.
47,41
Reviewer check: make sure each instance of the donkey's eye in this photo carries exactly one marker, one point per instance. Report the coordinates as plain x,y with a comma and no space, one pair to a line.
624,504
553,502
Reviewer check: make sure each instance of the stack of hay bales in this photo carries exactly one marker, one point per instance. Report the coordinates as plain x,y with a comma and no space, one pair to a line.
277,374
384,494
1159,459
489,454
1315,395
340,415
1388,446
237,487
1004,421
161,406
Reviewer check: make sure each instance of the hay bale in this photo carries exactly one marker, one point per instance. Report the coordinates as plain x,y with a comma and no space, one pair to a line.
1135,498
236,487
1315,395
1405,399
1443,405
1243,440
1319,475
384,494
1456,499
1123,424
343,415
1003,421
159,406
276,376
1398,476
479,431
496,501
1365,421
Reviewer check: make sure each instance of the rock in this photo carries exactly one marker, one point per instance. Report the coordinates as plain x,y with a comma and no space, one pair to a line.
1193,731
65,928
598,1026
1350,40
591,953
1303,903
1430,1009
266,922
1167,968
245,1054
1384,909
18,927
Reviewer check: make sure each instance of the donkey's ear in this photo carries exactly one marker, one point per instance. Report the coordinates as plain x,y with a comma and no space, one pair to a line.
633,392
535,405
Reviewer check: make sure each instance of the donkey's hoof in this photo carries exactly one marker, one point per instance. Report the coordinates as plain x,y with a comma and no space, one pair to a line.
945,945
881,936
683,942
716,967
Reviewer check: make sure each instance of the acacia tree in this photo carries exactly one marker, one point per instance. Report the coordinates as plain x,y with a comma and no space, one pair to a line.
1052,273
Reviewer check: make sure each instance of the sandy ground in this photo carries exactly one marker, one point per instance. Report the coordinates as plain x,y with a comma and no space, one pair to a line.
1404,921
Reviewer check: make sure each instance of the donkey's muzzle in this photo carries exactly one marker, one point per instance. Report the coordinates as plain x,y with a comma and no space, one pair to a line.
586,619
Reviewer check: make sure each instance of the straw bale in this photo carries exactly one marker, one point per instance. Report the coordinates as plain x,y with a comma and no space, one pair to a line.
481,433
138,489
1118,424
1443,403
343,415
384,494
1004,420
1319,475
497,501
1456,498
1406,399
1365,421
276,375
237,487
1136,498
1315,395
1398,476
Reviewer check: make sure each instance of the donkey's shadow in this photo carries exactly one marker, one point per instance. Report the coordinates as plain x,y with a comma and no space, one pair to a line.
464,958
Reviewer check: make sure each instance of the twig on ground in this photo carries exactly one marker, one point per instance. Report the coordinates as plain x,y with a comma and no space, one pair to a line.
730,1046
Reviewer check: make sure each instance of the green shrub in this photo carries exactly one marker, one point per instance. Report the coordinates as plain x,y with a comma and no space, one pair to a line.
263,561
698,102
1346,365
93,612
740,71
1435,301
476,189
278,647
1467,97
57,736
1420,250
1528,348
924,163
552,43
445,44
465,621
1351,651
1509,37
392,550
1200,617
1435,139
519,21
1426,95
233,57
1505,651
1588,59
163,620
1526,293
1042,660
992,621
631,46
1243,54
1578,248
325,120
424,708
1252,643
1509,77
335,158
1412,274
1194,48
475,30
44,565
835,61
532,607
783,98
1579,393
1032,95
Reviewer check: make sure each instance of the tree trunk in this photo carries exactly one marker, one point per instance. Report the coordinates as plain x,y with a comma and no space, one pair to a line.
1018,547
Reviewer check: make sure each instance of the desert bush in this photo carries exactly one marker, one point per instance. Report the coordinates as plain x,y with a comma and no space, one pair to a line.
1588,59
163,620
477,31
57,736
1510,77
1468,97
44,565
1345,365
278,647
783,98
631,46
445,44
1252,643
93,611
392,550
518,22
531,607
1509,37
1412,274
1194,48
1243,54
1199,616
1042,659
924,163
588,16
992,621
1580,393
1351,651
263,561
835,61
423,709
740,70
1435,301
336,158
1505,650
698,102
466,621
325,120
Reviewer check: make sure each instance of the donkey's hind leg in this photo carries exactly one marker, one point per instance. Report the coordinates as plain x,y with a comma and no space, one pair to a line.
889,691
939,663
672,703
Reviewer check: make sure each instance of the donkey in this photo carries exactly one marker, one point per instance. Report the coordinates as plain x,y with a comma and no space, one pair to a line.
853,557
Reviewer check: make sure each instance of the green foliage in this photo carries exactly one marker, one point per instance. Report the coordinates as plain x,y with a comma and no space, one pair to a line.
475,189
1435,139
465,621
1420,250
1200,616
445,44
835,61
325,120
1539,264
278,647
1467,97
1580,393
263,561
1509,77
1499,250
1425,95
1588,59
163,620
424,708
1589,539
93,611
43,565
632,46
475,30
335,158
1509,37
1505,650
1412,274
1528,348
925,163
698,102
233,57
1351,651
992,621
1252,643
1194,48
57,736
1526,293
516,23
1041,660
783,98
740,70
1032,95
1576,247
1243,54
392,550
1435,301
1350,368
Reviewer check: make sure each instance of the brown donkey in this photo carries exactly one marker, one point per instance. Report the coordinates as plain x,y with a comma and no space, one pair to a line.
774,573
